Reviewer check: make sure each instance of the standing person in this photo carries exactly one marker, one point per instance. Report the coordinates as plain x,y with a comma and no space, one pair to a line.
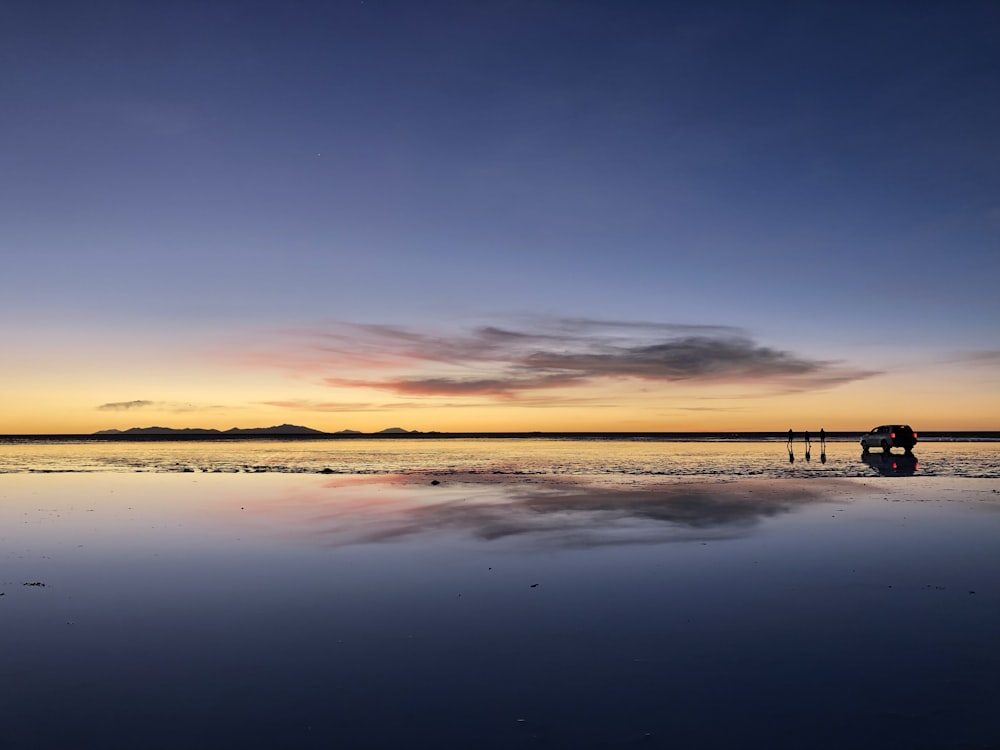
791,437
822,439
808,445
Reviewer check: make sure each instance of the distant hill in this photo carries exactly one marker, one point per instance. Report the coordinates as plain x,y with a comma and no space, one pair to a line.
281,429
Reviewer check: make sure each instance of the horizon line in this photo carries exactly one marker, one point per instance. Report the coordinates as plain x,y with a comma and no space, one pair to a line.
202,433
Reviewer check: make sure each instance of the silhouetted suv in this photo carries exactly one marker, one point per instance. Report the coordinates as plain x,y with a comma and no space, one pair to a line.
889,436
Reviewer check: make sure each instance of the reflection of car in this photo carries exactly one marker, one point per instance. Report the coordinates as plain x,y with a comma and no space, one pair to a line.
889,436
891,464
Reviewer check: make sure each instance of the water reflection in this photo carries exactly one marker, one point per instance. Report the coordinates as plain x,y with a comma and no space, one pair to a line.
573,515
186,610
891,464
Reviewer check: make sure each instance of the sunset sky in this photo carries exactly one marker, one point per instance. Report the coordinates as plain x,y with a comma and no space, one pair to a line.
510,215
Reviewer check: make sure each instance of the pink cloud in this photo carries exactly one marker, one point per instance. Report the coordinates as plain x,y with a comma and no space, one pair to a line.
505,363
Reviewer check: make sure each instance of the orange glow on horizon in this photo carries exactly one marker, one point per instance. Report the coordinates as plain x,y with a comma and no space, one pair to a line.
70,391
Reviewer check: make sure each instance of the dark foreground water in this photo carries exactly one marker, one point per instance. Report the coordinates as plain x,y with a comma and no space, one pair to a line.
516,610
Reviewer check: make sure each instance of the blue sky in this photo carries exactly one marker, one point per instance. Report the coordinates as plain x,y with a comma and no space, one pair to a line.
202,171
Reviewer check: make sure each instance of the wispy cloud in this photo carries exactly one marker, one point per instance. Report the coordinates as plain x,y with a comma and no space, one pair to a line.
502,387
300,404
506,363
162,406
980,357
125,405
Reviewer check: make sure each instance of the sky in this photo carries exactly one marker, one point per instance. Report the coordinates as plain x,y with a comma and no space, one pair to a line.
499,215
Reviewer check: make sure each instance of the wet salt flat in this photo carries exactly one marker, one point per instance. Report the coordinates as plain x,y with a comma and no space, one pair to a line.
502,456
451,607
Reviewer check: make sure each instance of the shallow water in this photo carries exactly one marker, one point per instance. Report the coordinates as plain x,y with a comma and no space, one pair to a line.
552,610
545,457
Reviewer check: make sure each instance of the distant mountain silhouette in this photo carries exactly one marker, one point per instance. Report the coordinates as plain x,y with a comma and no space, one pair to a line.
282,429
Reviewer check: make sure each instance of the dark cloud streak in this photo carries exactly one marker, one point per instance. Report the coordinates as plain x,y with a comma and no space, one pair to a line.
681,359
167,406
125,405
565,352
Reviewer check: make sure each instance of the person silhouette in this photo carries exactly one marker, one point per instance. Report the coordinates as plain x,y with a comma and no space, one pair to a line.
822,439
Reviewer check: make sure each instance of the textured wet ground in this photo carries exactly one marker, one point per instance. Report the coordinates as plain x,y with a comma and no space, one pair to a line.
514,457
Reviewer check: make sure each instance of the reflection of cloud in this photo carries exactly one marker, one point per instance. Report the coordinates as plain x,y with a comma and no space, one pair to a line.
554,353
576,515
